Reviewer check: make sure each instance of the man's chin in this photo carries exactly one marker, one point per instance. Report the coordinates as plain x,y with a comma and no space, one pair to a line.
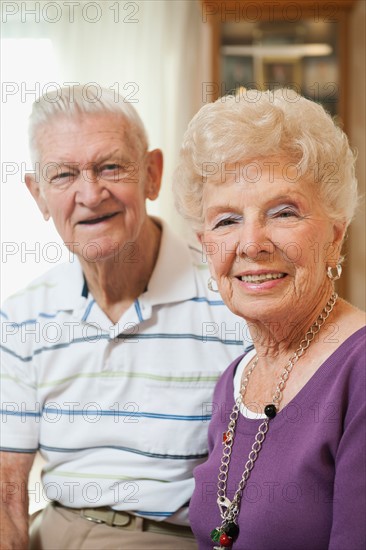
96,251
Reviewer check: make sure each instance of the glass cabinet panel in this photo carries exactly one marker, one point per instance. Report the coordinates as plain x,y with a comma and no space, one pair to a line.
267,55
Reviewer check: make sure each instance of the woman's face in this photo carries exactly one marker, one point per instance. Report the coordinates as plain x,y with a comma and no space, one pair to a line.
268,241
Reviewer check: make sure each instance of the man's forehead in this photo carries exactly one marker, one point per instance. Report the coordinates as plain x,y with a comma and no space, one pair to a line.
86,123
86,134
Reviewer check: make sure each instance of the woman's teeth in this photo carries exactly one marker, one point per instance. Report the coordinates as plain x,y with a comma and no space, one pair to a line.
262,277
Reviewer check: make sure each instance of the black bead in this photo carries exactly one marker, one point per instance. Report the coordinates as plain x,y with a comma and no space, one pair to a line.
270,411
232,530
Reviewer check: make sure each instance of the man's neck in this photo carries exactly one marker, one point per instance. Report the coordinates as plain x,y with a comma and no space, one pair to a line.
116,282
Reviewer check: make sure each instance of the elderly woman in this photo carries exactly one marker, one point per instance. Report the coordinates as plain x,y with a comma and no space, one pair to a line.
268,182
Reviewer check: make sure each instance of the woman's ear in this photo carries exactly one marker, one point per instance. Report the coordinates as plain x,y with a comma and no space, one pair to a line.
339,231
35,190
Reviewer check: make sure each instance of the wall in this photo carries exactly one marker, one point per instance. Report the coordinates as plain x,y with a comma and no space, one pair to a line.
356,262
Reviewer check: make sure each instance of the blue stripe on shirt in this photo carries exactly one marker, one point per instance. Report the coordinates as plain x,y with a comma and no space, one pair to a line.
86,314
207,301
87,412
33,321
87,311
157,514
136,337
125,449
18,450
138,310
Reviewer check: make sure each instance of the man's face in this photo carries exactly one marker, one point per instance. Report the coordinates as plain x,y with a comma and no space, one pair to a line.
94,182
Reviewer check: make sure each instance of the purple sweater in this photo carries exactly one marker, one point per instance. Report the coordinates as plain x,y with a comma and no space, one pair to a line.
307,488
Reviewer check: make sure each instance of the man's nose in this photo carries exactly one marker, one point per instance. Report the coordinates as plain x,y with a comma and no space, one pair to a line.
91,189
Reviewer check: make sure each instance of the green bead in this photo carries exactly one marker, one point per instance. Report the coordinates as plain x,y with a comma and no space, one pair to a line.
215,535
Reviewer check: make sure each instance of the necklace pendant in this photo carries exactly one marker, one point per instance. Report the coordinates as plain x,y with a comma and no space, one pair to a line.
224,501
225,535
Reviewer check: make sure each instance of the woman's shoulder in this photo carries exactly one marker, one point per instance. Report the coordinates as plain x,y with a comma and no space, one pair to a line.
354,346
349,328
349,325
350,317
346,365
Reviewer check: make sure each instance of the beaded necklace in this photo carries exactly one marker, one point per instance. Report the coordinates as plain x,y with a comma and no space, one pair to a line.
226,534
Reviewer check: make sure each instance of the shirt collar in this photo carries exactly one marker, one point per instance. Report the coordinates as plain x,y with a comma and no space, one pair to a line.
173,278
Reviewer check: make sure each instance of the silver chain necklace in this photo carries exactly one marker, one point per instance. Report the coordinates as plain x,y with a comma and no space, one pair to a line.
226,534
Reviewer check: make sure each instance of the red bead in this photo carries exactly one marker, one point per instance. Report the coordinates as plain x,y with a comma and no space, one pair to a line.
226,541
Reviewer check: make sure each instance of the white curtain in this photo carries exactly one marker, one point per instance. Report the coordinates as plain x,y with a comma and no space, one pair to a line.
150,51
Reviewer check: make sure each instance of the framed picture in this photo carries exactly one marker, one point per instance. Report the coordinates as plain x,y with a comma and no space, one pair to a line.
281,72
237,71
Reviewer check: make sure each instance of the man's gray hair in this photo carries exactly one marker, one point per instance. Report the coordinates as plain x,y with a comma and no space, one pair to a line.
76,100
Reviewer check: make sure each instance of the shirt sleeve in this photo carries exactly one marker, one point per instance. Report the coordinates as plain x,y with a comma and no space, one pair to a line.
20,411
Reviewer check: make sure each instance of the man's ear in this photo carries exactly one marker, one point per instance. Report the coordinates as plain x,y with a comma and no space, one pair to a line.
36,192
154,174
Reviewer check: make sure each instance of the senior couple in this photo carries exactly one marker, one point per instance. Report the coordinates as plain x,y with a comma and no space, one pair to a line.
120,416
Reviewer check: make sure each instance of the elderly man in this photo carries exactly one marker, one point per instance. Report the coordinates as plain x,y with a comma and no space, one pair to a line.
109,361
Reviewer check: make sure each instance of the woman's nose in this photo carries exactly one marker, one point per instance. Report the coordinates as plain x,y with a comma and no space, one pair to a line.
254,241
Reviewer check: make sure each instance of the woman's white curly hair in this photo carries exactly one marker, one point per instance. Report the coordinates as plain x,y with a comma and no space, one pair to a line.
256,125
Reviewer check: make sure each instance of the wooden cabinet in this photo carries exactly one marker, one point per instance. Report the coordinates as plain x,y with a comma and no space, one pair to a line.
301,44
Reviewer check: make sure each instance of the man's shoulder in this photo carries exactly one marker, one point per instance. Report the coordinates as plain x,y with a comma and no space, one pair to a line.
43,295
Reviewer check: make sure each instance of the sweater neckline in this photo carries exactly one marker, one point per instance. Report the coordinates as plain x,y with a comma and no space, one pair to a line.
250,425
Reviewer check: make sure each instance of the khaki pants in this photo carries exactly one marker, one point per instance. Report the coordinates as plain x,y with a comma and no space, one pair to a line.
57,528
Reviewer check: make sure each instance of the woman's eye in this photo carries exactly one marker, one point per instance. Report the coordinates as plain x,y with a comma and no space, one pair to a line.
285,213
225,222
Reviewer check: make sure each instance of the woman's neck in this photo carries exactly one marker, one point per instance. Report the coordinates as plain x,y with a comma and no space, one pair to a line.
276,339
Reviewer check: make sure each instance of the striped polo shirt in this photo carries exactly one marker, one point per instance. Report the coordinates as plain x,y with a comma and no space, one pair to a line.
118,411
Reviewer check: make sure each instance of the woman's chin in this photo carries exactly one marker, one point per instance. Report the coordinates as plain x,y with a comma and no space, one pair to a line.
260,306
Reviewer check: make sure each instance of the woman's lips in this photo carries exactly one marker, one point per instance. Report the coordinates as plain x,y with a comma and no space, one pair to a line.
258,278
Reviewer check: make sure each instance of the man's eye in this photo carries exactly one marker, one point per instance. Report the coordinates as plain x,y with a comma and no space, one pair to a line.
112,171
110,167
62,178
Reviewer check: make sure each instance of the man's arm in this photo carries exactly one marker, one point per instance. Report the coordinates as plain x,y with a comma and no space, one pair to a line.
14,468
